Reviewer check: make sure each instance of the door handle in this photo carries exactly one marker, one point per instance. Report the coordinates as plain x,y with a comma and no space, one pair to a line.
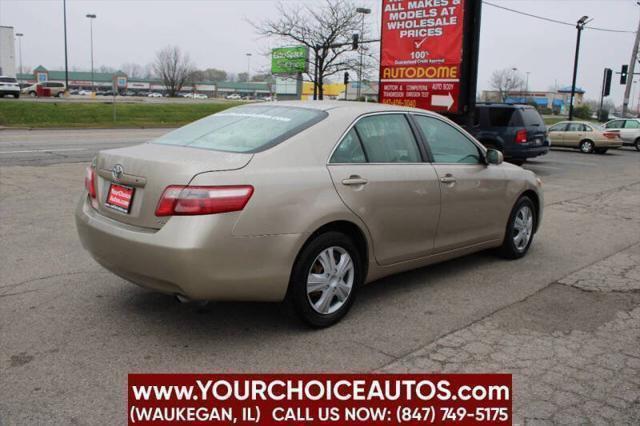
354,181
448,178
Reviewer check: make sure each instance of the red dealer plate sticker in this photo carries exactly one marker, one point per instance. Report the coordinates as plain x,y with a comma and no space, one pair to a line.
120,198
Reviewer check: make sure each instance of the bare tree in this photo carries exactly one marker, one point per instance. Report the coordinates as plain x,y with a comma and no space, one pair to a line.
505,81
173,67
326,30
132,70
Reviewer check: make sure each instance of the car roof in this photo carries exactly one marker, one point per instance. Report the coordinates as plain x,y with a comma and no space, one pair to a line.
355,107
575,122
502,105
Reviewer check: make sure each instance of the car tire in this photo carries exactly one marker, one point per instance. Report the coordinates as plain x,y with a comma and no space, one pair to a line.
33,94
586,146
637,144
17,96
520,230
319,303
601,150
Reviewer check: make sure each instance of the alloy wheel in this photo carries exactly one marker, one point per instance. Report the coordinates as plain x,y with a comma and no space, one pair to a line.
586,147
522,228
330,280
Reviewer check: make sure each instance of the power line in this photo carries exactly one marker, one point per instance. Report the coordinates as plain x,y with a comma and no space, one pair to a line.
555,21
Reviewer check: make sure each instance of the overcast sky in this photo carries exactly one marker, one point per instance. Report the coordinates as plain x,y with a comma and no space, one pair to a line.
216,34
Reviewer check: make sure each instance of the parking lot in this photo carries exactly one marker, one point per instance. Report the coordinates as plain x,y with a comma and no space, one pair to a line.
565,319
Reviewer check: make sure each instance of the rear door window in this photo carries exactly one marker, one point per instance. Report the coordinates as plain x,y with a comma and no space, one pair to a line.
8,80
560,127
631,124
387,138
617,124
350,150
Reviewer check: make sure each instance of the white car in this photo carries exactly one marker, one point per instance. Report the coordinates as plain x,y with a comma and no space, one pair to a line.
628,129
154,95
200,96
235,97
9,86
84,92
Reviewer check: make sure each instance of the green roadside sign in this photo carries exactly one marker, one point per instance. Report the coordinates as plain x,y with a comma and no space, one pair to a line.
289,60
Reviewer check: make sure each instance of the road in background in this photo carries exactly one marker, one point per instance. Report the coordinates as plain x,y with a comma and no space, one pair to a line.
45,147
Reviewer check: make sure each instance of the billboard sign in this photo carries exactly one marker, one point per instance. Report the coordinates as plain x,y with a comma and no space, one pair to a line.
289,60
422,54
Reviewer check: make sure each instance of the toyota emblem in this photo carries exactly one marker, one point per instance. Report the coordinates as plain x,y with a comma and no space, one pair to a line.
117,172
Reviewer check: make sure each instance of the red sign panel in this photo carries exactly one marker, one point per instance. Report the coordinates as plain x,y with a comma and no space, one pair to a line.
421,53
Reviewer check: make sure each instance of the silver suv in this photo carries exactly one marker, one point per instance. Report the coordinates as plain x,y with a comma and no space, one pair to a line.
629,130
9,86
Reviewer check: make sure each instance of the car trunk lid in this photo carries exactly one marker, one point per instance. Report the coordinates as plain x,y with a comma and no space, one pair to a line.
148,169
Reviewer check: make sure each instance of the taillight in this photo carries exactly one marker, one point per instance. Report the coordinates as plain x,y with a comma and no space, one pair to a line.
611,135
90,181
198,200
521,136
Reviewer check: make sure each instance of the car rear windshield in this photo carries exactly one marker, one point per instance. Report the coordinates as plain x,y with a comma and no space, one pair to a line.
531,117
244,129
500,117
8,80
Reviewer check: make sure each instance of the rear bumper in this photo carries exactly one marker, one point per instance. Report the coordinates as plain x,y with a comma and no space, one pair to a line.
526,152
9,92
196,257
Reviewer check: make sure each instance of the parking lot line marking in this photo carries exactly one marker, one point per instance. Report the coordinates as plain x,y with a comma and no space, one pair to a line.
43,150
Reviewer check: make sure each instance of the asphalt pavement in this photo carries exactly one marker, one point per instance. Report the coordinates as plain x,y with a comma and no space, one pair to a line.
71,331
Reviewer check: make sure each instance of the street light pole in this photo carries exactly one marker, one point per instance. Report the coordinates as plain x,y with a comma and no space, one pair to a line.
91,18
66,59
579,26
20,35
364,12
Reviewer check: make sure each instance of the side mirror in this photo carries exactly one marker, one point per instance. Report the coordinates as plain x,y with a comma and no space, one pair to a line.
494,157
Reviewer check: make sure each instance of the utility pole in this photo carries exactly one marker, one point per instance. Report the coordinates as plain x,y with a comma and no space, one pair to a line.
91,18
364,12
66,60
632,66
579,26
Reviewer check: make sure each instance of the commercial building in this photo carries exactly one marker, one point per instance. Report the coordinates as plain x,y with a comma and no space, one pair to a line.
558,101
7,52
83,80
333,91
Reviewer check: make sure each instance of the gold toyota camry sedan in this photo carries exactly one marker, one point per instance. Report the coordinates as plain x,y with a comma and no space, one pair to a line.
302,202
587,137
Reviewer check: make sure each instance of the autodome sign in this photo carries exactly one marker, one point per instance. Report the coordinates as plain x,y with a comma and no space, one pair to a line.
422,53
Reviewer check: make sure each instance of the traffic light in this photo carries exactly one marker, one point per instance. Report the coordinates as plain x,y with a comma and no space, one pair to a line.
355,42
608,73
623,74
346,78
